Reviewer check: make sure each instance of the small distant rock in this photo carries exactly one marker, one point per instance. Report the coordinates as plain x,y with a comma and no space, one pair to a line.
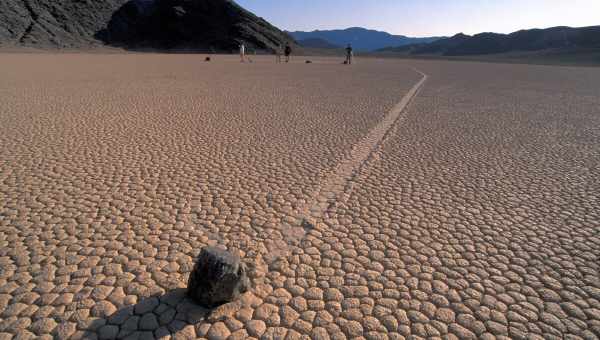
207,59
218,277
307,225
309,62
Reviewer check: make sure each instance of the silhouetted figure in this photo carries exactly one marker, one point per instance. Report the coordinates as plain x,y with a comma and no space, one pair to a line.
288,52
349,54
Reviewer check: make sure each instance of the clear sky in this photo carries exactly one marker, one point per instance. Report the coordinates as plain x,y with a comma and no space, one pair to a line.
426,17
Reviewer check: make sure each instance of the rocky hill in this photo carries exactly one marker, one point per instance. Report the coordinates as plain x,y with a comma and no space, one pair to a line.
317,43
520,41
52,23
362,39
134,24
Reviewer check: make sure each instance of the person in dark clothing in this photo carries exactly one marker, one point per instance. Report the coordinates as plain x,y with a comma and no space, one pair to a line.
349,54
288,52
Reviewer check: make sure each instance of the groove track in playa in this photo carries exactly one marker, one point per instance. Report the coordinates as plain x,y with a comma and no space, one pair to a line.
337,185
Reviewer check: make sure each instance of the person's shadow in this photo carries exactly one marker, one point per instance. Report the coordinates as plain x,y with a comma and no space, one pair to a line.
171,314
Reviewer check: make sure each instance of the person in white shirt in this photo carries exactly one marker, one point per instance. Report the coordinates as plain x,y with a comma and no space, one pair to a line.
242,52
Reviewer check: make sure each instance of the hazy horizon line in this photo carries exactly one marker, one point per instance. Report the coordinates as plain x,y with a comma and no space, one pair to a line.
433,36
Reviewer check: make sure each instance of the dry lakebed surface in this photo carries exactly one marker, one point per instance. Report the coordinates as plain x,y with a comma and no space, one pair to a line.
391,199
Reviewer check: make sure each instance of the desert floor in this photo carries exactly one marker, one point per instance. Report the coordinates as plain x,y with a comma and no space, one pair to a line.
387,199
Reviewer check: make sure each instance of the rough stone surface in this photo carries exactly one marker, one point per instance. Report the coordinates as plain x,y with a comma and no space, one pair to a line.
205,24
47,23
218,277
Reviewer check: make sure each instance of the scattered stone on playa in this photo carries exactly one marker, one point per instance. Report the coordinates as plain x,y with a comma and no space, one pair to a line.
308,224
218,277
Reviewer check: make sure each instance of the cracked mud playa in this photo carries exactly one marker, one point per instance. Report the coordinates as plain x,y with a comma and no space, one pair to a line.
471,213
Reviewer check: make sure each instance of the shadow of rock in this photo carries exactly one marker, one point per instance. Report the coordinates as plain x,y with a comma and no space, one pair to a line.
172,315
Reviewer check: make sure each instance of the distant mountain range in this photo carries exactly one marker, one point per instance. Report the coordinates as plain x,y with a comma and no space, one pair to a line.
362,39
135,24
495,43
317,43
221,25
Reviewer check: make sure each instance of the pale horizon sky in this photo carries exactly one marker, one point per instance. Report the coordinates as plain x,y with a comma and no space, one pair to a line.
421,18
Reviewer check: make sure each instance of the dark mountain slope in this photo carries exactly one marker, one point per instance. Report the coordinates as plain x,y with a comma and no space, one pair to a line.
166,24
54,23
555,37
361,39
520,41
442,45
317,43
160,24
482,43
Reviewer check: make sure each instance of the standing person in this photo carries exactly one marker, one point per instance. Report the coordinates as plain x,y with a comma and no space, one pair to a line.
288,52
242,52
349,54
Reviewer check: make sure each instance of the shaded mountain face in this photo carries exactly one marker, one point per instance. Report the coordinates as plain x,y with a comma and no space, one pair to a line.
197,24
317,43
361,39
483,43
442,45
160,24
54,23
493,43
